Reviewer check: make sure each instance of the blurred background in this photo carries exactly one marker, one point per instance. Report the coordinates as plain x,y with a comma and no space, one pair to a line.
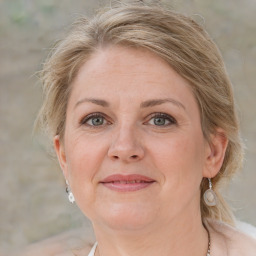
33,202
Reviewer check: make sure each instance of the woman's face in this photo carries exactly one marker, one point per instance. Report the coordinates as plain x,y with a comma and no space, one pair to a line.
133,151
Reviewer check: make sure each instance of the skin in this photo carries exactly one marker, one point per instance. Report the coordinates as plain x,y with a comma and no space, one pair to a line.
130,139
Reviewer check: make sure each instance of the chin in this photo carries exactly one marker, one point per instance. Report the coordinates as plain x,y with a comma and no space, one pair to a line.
127,216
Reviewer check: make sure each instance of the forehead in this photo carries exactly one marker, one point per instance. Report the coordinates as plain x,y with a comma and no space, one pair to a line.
129,73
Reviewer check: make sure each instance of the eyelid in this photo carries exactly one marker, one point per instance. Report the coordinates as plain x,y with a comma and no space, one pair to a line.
164,115
86,118
89,116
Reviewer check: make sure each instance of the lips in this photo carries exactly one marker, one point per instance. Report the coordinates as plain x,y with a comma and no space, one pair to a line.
125,183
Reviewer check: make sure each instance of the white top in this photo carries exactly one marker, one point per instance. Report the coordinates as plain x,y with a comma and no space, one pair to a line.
92,252
225,241
241,238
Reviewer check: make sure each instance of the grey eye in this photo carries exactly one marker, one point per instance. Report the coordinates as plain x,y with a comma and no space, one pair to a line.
97,121
94,120
160,121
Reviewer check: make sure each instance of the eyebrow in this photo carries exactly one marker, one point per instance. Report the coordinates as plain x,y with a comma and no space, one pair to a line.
145,104
99,102
155,102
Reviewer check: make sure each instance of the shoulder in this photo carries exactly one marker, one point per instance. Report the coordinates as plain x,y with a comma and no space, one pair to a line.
69,243
234,240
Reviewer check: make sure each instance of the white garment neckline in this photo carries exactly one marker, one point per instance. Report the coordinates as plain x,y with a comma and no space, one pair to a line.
92,252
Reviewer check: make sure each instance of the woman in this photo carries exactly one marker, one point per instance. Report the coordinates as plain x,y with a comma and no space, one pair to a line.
141,113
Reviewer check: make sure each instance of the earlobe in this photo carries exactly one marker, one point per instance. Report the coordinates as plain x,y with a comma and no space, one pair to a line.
216,152
60,152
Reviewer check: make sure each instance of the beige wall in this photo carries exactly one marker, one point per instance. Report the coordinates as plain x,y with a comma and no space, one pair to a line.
33,202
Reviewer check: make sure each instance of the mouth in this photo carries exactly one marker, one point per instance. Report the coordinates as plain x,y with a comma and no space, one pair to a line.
126,183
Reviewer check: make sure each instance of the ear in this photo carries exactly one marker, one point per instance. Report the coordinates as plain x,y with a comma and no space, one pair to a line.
215,153
60,152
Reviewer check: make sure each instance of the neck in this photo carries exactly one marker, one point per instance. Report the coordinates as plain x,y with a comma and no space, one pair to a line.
181,237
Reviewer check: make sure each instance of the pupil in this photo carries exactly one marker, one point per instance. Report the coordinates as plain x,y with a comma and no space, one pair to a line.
97,121
159,121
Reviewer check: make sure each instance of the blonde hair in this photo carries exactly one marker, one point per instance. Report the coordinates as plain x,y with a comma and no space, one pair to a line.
177,39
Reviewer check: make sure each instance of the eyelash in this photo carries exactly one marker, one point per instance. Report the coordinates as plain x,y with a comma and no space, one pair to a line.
154,115
171,119
91,116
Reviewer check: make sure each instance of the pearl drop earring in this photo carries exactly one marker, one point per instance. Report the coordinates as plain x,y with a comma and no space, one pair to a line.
210,197
71,197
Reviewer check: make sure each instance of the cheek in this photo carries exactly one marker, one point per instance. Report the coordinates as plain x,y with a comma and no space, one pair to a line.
180,159
84,158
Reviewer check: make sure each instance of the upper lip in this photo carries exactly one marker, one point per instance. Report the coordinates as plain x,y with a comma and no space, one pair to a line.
130,177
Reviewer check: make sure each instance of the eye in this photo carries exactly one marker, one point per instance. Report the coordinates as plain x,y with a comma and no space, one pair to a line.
95,119
161,119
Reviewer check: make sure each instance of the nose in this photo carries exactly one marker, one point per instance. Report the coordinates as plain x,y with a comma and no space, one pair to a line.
126,146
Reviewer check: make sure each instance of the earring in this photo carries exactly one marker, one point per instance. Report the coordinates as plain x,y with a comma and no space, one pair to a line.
210,197
71,197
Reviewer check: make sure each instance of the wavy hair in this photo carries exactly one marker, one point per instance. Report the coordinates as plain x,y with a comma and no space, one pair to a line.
177,39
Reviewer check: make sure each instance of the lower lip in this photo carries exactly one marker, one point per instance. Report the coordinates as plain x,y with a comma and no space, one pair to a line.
127,187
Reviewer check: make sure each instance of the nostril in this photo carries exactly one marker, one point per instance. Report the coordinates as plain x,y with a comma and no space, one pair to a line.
134,156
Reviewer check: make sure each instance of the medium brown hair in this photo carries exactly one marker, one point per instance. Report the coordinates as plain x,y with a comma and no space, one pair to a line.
177,39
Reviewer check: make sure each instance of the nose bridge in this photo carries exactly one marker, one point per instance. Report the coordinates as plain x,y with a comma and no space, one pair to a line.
125,144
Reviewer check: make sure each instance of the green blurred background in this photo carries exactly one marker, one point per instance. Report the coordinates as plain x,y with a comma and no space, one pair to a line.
33,202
